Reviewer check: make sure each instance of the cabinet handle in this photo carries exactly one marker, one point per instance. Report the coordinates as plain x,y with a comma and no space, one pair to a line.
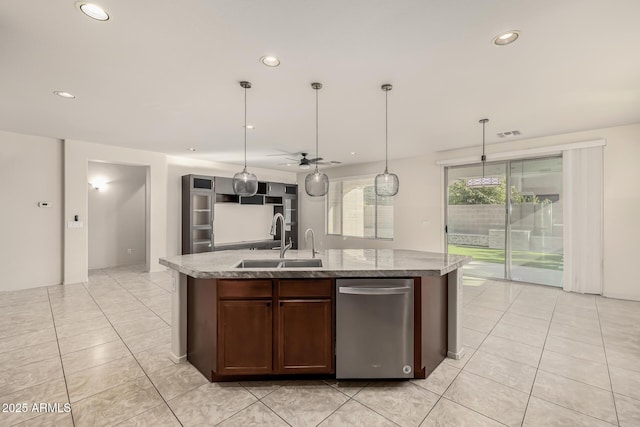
281,303
268,304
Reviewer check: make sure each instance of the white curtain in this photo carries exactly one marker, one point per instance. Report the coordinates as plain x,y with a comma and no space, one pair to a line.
583,194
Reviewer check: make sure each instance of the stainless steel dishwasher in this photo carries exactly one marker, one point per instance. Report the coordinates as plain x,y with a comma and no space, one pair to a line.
374,328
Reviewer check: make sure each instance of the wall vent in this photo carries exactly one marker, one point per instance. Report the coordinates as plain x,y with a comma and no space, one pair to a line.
509,133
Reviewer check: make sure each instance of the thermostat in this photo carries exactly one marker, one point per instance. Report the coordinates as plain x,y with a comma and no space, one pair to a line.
44,204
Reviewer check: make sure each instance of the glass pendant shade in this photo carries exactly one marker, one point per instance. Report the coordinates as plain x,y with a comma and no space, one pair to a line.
245,183
316,184
387,184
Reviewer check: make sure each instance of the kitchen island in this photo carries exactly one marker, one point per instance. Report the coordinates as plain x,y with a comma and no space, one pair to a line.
243,313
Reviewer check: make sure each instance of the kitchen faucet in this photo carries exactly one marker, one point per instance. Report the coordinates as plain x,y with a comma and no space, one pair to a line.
313,242
283,247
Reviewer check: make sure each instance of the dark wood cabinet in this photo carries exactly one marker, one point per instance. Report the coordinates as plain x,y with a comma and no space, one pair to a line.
305,336
260,327
304,326
245,337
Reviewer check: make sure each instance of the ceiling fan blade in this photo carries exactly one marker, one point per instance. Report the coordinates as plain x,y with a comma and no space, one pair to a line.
293,160
335,162
284,153
317,159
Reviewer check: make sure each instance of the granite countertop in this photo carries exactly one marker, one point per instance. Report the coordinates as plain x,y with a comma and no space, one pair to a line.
336,263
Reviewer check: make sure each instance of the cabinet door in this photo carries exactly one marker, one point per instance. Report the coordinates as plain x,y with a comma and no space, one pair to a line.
223,185
245,337
276,189
305,337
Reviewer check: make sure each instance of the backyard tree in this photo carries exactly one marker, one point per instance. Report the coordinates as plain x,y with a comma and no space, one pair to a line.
461,194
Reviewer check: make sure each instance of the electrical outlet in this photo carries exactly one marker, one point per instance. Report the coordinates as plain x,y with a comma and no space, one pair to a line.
129,251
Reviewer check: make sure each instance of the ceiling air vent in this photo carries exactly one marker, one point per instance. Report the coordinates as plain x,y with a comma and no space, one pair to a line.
509,133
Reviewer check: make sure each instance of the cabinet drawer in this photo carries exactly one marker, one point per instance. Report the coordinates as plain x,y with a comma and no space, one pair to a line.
231,289
314,288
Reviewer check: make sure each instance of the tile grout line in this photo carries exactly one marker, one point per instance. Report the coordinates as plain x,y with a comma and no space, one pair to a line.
526,408
269,408
66,386
368,407
604,346
136,297
134,358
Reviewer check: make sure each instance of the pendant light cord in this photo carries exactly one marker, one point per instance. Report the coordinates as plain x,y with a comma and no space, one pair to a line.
245,128
317,130
483,159
386,131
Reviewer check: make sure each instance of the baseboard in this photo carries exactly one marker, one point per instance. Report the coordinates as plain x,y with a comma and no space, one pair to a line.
176,359
457,356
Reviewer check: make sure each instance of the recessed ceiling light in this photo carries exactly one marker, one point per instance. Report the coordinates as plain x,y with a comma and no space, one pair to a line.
270,61
353,153
192,149
93,11
63,94
506,38
251,127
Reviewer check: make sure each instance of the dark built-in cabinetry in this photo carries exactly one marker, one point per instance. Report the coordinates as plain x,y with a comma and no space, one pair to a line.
200,193
197,214
258,327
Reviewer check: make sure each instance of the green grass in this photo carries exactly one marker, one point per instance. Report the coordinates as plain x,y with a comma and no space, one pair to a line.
528,259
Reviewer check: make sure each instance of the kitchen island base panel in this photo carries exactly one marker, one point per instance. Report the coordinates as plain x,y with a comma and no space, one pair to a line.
431,294
455,349
178,352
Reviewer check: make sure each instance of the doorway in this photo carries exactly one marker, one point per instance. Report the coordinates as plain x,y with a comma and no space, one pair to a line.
117,217
509,219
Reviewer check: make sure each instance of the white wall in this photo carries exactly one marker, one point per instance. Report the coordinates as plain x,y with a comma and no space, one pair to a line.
77,155
178,166
117,215
30,171
419,206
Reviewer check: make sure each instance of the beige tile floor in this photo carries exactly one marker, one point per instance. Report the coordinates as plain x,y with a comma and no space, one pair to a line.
536,356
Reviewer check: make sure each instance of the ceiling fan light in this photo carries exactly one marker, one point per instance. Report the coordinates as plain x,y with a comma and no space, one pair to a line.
305,166
387,184
316,184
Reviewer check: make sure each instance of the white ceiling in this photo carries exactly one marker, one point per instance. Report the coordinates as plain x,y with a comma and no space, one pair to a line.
163,75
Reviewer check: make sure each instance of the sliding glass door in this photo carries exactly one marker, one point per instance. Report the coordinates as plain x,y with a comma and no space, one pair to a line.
476,217
509,219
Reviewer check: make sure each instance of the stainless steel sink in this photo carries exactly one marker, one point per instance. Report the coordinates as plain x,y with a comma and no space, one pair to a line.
301,263
279,263
259,263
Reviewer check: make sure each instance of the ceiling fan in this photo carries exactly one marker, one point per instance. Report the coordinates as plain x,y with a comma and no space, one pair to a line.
306,163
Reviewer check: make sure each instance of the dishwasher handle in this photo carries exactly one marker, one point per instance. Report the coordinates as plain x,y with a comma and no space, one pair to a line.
374,291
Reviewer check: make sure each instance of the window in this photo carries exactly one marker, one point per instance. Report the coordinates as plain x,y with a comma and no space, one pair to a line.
354,210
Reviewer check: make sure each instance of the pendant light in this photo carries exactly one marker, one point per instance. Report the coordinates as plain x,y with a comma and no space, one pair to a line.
387,184
317,183
245,183
483,158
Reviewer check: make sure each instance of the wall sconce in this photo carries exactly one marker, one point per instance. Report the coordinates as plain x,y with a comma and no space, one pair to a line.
98,184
